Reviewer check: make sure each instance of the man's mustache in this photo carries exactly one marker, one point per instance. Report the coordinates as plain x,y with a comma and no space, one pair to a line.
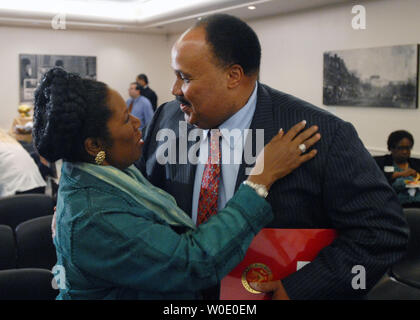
181,100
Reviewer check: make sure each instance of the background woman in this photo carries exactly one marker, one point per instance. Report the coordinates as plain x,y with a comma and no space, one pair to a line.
399,167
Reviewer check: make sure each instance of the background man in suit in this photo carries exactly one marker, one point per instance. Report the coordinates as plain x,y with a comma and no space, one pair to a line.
146,91
216,63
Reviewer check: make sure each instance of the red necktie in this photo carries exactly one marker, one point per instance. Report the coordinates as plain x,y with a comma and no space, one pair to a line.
130,107
209,192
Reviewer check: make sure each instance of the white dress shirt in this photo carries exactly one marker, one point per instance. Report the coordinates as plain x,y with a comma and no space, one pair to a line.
232,144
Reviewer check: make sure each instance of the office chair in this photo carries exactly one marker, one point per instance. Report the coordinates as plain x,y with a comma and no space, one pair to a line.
7,248
408,269
35,248
19,208
26,284
402,281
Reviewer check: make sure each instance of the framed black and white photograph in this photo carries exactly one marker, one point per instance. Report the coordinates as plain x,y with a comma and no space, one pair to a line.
34,66
372,77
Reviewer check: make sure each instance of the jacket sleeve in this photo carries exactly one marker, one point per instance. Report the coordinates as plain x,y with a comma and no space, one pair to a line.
122,249
399,184
372,231
147,111
147,134
154,100
388,176
381,161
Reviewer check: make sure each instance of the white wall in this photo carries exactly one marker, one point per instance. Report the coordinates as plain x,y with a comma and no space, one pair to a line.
120,57
292,58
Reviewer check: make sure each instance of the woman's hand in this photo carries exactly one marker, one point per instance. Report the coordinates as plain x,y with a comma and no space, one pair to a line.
276,287
406,173
283,154
409,173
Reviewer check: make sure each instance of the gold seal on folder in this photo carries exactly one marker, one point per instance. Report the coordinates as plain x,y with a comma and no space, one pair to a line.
256,272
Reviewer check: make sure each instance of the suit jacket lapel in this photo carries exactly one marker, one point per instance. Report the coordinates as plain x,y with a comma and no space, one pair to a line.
263,119
182,172
192,167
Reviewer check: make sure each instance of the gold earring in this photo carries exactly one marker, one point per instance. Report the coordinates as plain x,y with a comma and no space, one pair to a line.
100,157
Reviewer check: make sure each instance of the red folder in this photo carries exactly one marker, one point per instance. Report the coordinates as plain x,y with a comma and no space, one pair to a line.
273,255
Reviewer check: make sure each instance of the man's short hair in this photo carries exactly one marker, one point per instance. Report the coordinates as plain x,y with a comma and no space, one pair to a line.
396,136
232,41
143,77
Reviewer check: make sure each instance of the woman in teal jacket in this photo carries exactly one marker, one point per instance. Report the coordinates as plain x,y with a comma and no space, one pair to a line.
118,236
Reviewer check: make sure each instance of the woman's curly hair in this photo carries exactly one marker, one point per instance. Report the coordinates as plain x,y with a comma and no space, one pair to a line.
67,110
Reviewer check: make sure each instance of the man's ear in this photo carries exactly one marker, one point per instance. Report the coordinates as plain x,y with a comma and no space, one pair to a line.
235,75
93,146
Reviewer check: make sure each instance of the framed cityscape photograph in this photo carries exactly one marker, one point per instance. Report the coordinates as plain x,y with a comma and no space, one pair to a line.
34,66
372,77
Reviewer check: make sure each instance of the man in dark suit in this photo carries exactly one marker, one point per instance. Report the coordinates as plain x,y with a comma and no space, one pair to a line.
342,188
146,91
